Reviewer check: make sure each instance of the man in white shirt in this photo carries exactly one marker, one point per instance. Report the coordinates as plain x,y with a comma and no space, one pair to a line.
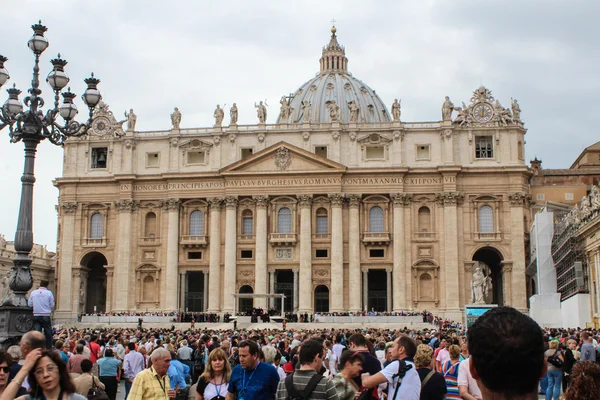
404,348
441,355
42,302
338,347
467,386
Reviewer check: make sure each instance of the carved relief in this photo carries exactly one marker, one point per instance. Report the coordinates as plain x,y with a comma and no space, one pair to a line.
336,199
130,144
247,273
321,273
170,204
283,254
261,137
127,205
402,199
354,200
68,207
305,200
283,158
449,198
262,201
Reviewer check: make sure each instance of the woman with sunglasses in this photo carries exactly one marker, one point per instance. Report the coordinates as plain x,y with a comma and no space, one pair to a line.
6,364
47,376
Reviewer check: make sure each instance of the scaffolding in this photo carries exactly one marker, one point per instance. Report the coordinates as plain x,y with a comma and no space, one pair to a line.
567,253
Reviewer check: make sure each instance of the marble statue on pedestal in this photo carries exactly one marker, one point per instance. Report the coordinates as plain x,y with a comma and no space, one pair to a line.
516,111
334,111
396,110
233,115
261,112
353,111
447,108
285,110
306,111
131,120
481,286
176,118
219,115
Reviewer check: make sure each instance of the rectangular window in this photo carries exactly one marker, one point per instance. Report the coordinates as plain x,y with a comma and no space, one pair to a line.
376,253
194,255
196,157
152,160
247,254
568,196
374,153
247,225
484,147
322,224
423,152
321,151
247,153
321,253
99,157
540,197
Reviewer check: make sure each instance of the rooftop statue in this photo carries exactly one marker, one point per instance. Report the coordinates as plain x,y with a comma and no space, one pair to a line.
447,109
131,120
233,115
396,110
261,112
176,118
334,111
462,119
502,115
306,111
353,111
516,110
219,115
285,110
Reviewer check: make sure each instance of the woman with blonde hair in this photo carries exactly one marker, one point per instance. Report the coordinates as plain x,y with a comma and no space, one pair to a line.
555,370
433,386
214,382
450,370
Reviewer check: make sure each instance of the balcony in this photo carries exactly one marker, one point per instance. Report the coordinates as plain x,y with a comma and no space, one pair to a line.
321,237
487,237
376,238
282,239
96,242
149,241
194,241
424,236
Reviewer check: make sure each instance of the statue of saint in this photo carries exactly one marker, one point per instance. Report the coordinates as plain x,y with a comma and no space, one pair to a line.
396,110
447,108
586,208
219,115
595,198
516,110
334,111
462,118
306,111
176,118
81,295
285,110
478,284
233,115
131,120
261,112
353,111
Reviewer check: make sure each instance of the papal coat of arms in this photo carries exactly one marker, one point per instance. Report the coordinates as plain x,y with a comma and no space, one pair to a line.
283,158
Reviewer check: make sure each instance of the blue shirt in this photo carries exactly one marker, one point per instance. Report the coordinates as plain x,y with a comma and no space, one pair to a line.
108,366
176,376
257,384
42,302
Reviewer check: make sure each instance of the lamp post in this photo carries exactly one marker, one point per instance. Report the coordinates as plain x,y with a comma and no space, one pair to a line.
30,125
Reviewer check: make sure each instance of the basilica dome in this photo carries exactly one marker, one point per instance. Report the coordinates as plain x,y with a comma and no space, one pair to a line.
334,84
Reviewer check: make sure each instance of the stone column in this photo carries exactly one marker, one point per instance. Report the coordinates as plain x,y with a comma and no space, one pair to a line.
389,289
272,287
354,281
305,284
109,288
399,261
171,206
64,309
214,263
518,300
205,292
77,279
229,277
449,200
260,268
122,287
337,253
182,281
296,278
365,293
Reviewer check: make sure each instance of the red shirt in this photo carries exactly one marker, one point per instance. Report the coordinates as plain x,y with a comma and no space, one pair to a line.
94,350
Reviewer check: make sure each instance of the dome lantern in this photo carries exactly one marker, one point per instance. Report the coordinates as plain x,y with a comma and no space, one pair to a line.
334,56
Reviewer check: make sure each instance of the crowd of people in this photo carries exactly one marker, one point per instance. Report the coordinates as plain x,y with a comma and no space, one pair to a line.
504,355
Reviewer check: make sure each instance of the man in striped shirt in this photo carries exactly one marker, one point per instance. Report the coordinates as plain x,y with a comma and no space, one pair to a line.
311,357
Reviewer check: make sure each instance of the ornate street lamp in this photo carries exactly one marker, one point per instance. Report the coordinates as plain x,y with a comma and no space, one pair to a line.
30,125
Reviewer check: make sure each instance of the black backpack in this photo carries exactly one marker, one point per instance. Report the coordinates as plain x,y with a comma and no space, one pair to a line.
294,394
403,367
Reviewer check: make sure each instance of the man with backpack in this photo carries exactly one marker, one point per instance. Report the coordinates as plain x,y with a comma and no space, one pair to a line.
306,383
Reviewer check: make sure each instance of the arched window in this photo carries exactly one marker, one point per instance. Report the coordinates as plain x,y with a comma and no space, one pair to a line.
97,226
247,223
322,221
321,299
148,289
424,219
150,225
426,287
284,220
197,223
486,219
376,219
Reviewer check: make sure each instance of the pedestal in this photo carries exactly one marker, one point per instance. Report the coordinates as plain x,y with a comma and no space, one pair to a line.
545,310
14,323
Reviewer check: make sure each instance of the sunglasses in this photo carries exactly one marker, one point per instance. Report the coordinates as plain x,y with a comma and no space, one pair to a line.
6,370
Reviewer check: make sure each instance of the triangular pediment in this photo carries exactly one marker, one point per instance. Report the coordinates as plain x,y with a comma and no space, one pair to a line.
283,158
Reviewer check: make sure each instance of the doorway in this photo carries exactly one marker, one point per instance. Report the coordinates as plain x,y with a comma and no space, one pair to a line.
95,295
491,264
377,294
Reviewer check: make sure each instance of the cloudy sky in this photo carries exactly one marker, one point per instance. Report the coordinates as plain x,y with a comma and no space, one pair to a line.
154,55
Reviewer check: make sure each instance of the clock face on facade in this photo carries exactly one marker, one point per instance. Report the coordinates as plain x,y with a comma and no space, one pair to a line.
482,112
101,125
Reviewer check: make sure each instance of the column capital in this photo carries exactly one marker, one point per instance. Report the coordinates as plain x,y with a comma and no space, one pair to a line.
305,200
231,202
519,199
389,270
449,198
68,207
336,199
272,272
354,200
295,270
127,205
364,270
205,272
215,203
262,201
171,204
401,199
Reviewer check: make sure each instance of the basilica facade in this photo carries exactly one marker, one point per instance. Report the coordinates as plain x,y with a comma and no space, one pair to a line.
340,205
